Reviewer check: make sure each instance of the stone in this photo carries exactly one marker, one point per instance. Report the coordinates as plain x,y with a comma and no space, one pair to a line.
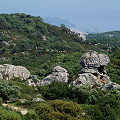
33,82
9,72
93,69
30,82
111,85
22,100
38,100
94,60
60,74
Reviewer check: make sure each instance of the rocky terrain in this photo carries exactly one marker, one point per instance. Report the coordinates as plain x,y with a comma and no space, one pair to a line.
93,72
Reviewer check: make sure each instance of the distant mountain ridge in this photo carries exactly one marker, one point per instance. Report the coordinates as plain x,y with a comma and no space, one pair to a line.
58,21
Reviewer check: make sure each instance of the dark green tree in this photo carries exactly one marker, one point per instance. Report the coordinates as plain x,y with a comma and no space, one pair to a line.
7,90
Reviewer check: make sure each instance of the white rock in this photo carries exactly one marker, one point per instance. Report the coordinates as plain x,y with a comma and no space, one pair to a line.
38,100
60,74
8,72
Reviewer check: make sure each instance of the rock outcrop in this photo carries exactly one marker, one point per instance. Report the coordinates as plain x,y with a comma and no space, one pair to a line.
60,74
93,69
8,72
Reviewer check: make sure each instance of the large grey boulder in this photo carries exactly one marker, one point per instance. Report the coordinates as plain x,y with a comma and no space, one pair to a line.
94,60
60,74
8,72
93,69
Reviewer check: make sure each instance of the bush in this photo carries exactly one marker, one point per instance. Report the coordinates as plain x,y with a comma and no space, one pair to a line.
9,115
109,106
56,90
31,115
62,110
94,112
7,90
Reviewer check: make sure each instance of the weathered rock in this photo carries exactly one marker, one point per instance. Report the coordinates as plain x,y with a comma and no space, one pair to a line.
60,74
38,100
33,81
8,72
111,85
94,60
93,69
30,82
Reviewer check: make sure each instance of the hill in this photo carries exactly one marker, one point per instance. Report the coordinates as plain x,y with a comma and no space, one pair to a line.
27,41
20,32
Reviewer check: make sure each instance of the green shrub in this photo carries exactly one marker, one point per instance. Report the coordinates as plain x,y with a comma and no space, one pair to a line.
7,90
56,90
94,112
9,115
31,115
62,110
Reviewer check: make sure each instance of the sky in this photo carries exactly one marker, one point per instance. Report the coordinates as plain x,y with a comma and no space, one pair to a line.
101,14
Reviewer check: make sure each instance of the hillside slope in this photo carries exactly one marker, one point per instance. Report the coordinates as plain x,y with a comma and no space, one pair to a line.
109,39
28,41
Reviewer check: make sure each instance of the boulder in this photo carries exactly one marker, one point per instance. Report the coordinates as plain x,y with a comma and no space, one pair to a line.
93,69
60,74
8,72
94,60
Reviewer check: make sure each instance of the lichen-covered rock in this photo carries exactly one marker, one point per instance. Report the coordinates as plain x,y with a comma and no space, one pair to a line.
60,74
93,69
94,60
8,72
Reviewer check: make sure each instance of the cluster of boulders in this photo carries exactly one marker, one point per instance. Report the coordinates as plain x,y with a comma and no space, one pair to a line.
93,72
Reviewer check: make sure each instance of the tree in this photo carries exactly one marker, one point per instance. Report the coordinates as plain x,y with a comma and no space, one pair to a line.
60,110
7,90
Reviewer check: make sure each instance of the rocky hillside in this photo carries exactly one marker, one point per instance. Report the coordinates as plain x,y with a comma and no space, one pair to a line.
38,60
28,41
20,33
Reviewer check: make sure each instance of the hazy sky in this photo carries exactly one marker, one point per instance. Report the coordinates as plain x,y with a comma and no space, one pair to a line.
85,13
